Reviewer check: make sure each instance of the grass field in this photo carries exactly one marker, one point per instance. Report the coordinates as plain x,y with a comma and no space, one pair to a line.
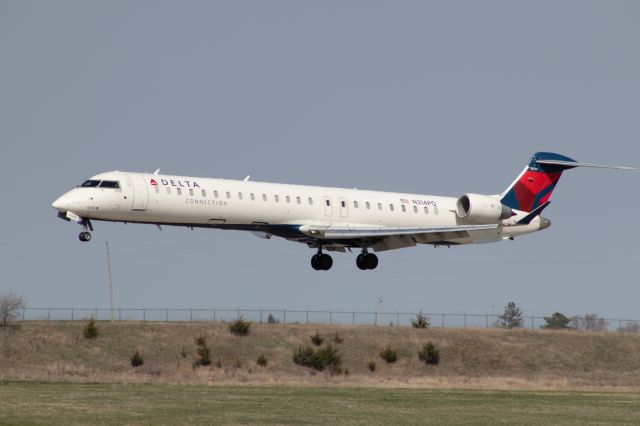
32,403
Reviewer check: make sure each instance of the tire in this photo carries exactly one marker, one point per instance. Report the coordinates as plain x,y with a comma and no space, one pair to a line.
360,263
371,261
315,262
326,262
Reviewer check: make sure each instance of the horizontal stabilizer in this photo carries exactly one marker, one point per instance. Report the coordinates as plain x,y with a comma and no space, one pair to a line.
576,164
528,218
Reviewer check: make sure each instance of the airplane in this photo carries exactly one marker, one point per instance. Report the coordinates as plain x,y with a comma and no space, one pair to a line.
324,218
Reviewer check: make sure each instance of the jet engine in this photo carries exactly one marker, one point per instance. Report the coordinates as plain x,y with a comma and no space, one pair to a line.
481,209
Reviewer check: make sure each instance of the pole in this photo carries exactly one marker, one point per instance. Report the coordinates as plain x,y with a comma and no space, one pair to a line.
110,280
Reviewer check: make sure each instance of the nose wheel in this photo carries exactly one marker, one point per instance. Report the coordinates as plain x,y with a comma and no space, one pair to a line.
321,261
366,261
85,236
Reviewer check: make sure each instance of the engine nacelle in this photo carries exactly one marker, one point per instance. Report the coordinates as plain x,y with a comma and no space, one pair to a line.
481,209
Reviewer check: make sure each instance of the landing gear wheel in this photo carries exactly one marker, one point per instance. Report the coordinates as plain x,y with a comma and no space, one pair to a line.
366,261
326,262
315,262
85,236
371,261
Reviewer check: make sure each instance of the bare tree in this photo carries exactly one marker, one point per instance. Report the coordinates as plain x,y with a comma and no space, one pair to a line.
589,322
10,307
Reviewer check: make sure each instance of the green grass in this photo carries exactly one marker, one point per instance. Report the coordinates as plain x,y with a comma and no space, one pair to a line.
32,403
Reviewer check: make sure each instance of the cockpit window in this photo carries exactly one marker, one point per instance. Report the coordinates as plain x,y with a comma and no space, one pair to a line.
90,184
110,184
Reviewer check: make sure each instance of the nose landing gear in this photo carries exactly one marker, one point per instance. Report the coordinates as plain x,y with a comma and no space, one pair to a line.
321,261
366,260
86,235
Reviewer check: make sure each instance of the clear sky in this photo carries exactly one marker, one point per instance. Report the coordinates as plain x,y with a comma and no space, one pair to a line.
439,98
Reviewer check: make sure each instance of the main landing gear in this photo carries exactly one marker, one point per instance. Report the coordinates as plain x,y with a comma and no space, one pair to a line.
366,260
321,261
86,235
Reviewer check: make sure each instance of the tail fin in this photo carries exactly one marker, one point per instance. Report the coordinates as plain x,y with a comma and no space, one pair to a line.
537,181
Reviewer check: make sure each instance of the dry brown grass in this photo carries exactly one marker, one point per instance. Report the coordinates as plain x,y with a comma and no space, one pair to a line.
470,358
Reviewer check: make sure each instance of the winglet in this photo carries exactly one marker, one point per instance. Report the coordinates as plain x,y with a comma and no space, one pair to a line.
528,218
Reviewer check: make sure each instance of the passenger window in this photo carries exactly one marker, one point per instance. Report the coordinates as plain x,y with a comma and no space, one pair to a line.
415,209
298,200
253,196
168,190
264,197
343,203
355,204
239,195
391,207
404,208
328,203
426,210
368,205
179,191
215,194
204,193
90,183
435,209
310,201
288,199
379,206
191,192
228,195
277,198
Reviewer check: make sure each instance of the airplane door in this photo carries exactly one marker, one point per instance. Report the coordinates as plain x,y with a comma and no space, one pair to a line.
328,208
140,192
344,207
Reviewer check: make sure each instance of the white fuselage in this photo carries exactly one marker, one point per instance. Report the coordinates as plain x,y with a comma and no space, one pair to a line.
279,209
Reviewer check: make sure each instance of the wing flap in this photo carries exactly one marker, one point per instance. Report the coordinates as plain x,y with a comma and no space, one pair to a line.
338,233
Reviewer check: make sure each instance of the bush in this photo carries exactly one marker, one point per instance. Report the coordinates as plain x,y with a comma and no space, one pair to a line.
136,359
430,354
303,356
316,339
372,366
204,356
319,359
272,320
262,360
557,321
90,331
421,321
240,327
389,354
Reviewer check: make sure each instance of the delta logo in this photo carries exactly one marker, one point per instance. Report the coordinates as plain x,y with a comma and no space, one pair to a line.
175,182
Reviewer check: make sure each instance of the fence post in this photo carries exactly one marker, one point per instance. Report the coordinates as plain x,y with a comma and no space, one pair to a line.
353,318
23,309
119,314
144,314
166,315
330,317
48,314
284,316
465,320
398,318
307,317
532,321
238,313
191,314
214,315
442,320
260,316
71,314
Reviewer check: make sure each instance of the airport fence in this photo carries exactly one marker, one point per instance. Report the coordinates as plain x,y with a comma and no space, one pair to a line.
293,316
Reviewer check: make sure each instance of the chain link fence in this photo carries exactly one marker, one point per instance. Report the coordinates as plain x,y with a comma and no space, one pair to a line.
292,316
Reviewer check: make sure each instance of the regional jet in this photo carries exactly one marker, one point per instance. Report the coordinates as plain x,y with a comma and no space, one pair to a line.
323,218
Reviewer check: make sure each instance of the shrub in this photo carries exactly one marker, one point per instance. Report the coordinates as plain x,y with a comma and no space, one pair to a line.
262,360
202,350
90,331
372,366
421,321
136,359
430,354
327,357
389,354
240,327
303,356
557,321
272,320
316,339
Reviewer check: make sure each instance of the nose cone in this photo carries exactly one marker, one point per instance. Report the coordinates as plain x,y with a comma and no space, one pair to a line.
60,204
544,223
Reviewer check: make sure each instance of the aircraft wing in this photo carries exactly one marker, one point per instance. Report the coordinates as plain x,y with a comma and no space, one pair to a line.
337,233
